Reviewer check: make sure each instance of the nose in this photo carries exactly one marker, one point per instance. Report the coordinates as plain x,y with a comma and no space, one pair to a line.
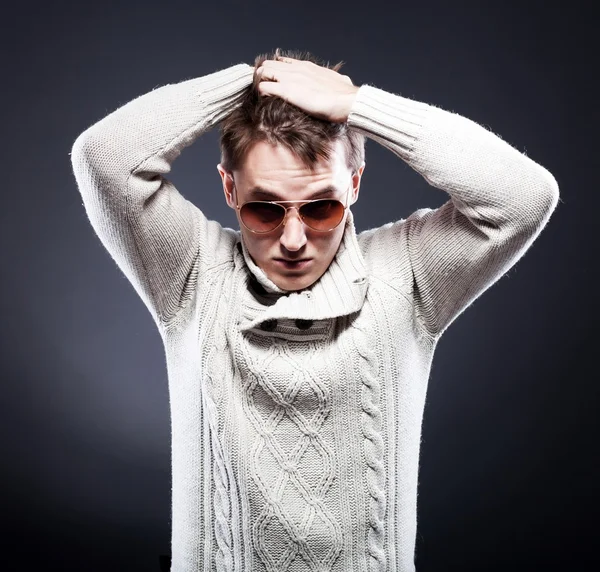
293,236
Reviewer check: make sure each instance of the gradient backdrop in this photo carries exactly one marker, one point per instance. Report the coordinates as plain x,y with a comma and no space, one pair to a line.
509,457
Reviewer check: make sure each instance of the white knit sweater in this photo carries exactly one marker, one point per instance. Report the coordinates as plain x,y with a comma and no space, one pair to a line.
296,417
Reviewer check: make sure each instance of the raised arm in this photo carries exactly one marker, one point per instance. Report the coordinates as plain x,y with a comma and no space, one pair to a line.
159,239
500,200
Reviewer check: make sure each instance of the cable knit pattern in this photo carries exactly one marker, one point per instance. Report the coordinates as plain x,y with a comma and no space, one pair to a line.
222,505
296,416
292,463
223,556
371,428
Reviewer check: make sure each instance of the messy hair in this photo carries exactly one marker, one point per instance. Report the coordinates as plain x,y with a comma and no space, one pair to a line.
275,121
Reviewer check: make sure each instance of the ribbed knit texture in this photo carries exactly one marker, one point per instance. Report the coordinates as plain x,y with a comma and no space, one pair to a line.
296,417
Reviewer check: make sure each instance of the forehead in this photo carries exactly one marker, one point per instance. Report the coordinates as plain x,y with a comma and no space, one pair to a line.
274,172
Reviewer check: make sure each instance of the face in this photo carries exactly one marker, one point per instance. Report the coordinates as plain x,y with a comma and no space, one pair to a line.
277,170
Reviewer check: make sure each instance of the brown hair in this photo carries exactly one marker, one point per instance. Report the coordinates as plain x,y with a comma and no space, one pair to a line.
275,121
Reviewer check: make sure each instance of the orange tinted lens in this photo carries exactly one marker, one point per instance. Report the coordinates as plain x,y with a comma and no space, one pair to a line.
325,214
262,217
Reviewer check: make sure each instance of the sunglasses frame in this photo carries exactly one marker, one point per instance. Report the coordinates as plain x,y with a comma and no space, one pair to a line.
287,209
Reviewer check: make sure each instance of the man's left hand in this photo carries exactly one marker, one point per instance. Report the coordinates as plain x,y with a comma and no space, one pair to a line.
319,91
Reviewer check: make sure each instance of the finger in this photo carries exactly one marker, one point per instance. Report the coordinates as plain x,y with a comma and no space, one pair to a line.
276,64
287,60
266,74
267,88
274,72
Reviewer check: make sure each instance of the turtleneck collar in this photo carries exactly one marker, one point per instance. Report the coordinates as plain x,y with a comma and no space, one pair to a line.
341,290
259,273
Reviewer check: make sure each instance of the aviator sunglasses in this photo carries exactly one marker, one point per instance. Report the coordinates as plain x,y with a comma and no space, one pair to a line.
265,216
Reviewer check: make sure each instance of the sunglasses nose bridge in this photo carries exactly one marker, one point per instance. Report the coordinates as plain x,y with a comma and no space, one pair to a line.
287,211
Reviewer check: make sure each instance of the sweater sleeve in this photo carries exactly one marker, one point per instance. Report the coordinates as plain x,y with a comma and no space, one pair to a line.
159,239
500,200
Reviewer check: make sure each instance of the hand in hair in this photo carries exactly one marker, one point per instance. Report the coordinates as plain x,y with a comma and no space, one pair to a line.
319,91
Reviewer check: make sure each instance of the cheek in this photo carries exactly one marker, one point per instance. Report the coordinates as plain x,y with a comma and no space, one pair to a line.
260,248
328,246
251,243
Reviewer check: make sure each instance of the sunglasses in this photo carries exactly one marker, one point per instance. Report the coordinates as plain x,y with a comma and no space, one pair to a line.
261,217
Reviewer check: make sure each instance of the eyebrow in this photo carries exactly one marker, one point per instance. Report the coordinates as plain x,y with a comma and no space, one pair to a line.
259,191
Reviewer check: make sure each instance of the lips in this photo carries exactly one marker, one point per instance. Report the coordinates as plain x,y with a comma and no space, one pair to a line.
298,264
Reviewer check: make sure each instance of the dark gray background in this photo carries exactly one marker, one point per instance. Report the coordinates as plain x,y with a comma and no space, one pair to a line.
509,457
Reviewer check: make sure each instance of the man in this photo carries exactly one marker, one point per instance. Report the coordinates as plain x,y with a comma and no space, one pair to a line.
297,388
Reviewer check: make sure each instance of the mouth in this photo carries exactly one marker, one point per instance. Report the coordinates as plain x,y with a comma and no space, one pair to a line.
293,264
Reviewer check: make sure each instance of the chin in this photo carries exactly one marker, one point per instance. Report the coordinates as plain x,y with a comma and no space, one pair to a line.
295,283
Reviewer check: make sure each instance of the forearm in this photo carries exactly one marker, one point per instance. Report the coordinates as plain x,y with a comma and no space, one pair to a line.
499,202
488,180
159,239
161,123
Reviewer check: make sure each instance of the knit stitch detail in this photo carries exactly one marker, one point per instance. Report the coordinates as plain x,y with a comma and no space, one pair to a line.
293,505
215,373
222,510
222,505
373,447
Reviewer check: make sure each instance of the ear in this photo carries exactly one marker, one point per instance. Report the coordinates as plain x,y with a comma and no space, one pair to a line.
228,186
356,179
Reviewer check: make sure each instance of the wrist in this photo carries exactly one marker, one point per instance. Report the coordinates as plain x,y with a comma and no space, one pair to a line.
349,101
